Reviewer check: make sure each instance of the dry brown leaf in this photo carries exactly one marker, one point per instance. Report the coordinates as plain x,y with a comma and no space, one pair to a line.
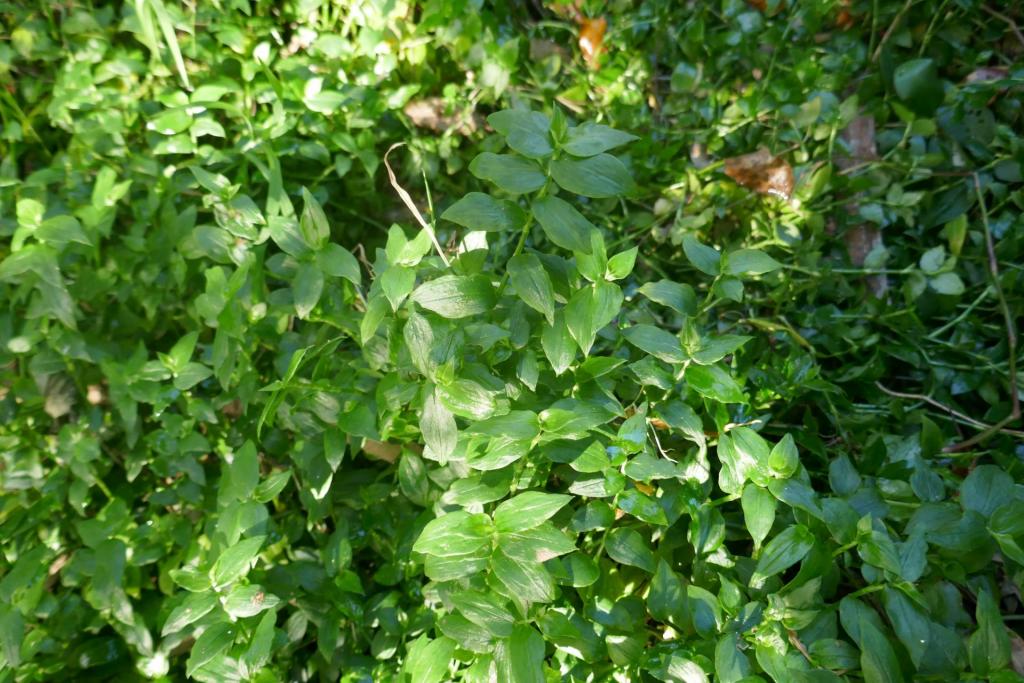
762,172
430,113
592,40
1016,652
699,155
862,239
541,49
758,4
987,73
382,450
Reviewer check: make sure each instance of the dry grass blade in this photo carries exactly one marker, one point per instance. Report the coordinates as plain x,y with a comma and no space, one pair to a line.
411,205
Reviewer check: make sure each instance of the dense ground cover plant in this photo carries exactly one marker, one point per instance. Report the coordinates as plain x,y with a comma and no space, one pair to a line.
699,363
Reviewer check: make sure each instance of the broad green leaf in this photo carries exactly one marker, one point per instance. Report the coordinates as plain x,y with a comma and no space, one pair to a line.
466,398
588,139
248,601
528,580
520,658
680,298
485,610
509,172
985,489
528,510
517,424
750,262
627,546
731,665
12,635
878,550
307,288
456,533
564,225
456,296
642,507
715,383
655,341
212,642
909,622
782,552
527,132
437,424
337,261
621,265
429,662
704,258
235,562
536,545
532,284
558,344
878,662
194,607
666,600
758,513
479,211
917,84
589,310
989,646
598,176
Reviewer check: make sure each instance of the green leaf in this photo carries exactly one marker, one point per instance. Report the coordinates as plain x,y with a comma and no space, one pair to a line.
782,552
626,546
598,176
243,473
520,658
235,562
468,399
479,211
527,132
517,424
509,172
917,84
621,265
667,601
949,284
428,660
258,653
397,282
337,261
248,601
193,608
750,262
527,580
590,309
715,383
758,513
878,550
212,642
528,510
12,635
307,288
680,298
655,341
909,622
642,507
878,662
456,533
437,424
484,610
985,489
558,344
989,646
535,545
588,139
731,665
456,296
62,230
532,284
704,258
564,225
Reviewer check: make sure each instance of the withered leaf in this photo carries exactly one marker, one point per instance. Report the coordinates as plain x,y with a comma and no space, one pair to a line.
429,113
592,40
762,172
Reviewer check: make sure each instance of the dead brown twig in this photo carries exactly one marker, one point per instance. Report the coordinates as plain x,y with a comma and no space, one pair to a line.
1013,25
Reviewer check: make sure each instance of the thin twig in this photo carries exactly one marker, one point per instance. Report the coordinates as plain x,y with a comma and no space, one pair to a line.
889,31
1013,25
407,200
966,419
1011,333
